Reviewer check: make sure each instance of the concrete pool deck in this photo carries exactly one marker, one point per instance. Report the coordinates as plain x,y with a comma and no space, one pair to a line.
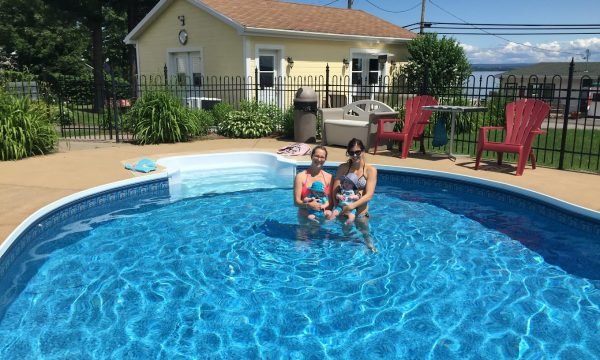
29,184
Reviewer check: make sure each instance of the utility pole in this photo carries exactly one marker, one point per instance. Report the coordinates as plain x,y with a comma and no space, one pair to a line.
422,25
350,4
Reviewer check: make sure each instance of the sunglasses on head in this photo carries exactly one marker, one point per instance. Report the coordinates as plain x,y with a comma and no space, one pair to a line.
354,153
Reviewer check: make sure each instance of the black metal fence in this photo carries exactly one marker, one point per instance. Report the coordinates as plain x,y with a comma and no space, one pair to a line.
572,139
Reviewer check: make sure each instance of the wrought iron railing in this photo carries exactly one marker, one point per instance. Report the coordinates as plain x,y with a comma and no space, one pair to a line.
572,139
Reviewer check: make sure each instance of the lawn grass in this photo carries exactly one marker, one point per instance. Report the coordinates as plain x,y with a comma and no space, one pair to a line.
582,148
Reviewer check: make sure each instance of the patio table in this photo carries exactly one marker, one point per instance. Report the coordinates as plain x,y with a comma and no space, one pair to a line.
453,110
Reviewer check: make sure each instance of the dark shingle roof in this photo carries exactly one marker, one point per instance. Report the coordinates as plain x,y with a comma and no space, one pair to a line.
277,15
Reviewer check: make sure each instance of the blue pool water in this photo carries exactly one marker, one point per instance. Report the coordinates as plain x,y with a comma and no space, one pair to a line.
232,275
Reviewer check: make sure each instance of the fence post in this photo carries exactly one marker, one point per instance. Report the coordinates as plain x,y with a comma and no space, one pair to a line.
113,99
563,140
61,108
165,71
256,84
327,85
423,90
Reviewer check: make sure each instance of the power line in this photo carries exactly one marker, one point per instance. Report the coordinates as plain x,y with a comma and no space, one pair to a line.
329,3
563,29
394,11
517,25
540,29
498,36
518,34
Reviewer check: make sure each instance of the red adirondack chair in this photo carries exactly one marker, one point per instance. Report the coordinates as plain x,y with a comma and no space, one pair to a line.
523,120
415,119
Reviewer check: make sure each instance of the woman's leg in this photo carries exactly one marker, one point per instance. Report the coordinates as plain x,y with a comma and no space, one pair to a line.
362,224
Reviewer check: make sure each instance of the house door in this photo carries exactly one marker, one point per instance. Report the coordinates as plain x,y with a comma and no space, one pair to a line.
366,72
268,72
187,67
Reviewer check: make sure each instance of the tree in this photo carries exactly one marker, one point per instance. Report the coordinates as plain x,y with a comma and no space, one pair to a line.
135,10
88,14
53,36
435,65
41,41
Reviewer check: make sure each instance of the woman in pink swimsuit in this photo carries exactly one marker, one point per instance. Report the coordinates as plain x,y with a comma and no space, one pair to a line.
304,180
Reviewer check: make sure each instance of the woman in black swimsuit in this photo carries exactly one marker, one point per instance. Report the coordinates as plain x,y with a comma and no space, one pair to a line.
367,181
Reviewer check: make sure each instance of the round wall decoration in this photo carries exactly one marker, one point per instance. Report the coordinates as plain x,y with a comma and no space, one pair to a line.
183,37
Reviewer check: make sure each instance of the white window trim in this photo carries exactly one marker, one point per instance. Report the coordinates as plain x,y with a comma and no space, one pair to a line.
372,52
170,51
279,48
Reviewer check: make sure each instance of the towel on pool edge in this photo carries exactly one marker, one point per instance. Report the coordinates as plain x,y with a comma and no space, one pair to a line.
295,149
440,135
144,165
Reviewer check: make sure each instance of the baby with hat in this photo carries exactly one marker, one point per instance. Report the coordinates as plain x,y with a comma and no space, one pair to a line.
347,194
317,193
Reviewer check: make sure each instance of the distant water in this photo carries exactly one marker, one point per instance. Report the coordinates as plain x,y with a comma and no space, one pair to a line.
482,82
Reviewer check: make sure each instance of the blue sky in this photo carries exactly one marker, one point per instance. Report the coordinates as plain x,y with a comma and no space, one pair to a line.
501,48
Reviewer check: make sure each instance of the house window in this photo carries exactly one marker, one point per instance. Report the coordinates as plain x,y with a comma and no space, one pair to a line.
510,88
370,72
357,71
266,70
541,91
373,71
533,91
187,67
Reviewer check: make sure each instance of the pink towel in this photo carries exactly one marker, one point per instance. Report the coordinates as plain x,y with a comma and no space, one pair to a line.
295,149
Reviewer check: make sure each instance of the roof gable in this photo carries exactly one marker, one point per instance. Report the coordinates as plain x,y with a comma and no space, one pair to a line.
288,19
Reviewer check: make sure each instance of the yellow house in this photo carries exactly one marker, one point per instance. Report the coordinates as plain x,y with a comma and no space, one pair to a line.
269,40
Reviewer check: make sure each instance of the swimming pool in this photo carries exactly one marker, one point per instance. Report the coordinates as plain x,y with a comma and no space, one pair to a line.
216,273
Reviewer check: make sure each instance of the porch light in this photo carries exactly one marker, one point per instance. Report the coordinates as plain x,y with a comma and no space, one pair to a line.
345,62
382,59
290,61
393,63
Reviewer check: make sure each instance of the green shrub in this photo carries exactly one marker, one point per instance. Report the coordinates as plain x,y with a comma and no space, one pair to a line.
160,117
220,112
287,123
25,128
497,110
253,120
56,117
203,120
244,124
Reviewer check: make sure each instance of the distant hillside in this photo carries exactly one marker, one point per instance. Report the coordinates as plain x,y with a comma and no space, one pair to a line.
498,67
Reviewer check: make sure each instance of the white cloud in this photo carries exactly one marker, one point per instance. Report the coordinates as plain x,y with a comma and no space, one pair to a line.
527,52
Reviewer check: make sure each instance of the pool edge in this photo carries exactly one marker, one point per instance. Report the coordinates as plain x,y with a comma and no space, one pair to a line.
33,219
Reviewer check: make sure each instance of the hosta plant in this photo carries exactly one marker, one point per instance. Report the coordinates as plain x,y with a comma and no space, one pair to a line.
244,124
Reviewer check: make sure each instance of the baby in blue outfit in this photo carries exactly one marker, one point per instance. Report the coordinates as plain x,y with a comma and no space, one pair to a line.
347,194
317,193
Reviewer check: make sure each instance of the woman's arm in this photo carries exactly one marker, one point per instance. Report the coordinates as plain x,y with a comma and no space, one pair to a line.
335,187
298,201
325,203
367,194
